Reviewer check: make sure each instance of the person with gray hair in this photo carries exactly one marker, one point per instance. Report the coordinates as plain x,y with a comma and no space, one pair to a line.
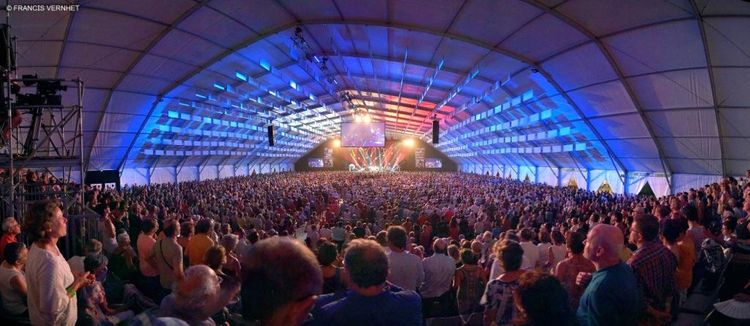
281,282
439,269
11,230
198,296
371,300
232,265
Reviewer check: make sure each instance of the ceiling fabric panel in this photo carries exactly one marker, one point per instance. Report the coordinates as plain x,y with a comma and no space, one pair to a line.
691,148
674,89
731,86
728,41
735,122
687,123
549,82
604,17
603,99
480,19
543,37
580,67
113,29
662,47
621,126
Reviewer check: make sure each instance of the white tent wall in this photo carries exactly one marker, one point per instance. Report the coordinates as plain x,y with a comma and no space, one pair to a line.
684,182
567,174
612,177
134,176
163,175
209,173
527,171
226,171
547,175
659,184
187,173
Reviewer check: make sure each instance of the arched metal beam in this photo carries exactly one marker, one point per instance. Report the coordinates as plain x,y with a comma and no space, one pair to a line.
417,28
621,77
712,79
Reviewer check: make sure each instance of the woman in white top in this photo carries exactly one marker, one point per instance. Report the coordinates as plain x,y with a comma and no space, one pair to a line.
51,285
558,252
12,281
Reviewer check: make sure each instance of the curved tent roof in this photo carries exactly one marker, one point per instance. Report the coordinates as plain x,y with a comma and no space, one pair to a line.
649,86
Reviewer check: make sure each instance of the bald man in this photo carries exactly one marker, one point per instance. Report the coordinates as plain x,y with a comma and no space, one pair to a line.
439,268
612,296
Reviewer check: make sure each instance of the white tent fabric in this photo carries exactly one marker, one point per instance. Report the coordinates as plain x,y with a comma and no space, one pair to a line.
642,86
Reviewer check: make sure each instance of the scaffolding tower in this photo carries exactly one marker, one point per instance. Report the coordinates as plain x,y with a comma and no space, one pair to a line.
44,137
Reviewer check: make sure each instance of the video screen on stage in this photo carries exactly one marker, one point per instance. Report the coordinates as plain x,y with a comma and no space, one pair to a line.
361,134
433,163
315,162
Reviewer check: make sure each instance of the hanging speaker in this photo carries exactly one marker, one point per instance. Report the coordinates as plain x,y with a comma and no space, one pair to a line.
270,135
435,131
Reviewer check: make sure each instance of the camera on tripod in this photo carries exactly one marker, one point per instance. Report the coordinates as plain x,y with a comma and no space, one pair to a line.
47,92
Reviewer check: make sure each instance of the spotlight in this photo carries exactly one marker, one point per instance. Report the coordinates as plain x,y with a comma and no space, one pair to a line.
337,143
409,142
366,118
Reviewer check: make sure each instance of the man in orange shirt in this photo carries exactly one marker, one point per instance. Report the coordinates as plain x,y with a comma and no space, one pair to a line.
200,242
11,229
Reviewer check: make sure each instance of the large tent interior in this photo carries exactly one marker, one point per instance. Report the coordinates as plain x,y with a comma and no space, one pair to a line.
624,96
624,91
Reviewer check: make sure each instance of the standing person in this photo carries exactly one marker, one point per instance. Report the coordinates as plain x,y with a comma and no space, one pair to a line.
439,269
654,267
167,254
498,296
13,286
406,269
543,301
568,269
469,283
144,245
530,251
338,235
51,285
612,297
200,242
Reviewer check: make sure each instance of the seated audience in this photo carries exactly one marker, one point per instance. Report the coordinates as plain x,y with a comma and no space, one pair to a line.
92,302
93,248
198,296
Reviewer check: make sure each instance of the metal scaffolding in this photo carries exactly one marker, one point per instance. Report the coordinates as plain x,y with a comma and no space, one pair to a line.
45,137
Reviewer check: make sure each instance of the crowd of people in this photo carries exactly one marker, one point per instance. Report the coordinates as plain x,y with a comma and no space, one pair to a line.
340,248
